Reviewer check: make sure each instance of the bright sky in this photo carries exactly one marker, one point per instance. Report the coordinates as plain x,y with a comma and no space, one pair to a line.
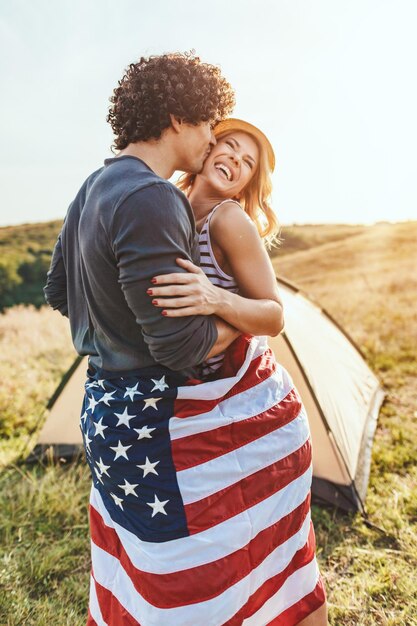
331,82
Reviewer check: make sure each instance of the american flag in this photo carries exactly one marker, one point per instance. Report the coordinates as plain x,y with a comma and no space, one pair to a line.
200,502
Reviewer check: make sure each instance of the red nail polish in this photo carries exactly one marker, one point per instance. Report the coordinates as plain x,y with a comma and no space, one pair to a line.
154,281
149,291
154,301
164,313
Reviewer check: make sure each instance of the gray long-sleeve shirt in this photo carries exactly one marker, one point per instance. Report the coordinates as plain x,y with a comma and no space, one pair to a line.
125,226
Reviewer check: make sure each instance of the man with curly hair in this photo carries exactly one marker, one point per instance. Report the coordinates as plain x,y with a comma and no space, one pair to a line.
127,224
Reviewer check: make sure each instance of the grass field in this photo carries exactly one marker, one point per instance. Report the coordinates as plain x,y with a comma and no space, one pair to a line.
366,278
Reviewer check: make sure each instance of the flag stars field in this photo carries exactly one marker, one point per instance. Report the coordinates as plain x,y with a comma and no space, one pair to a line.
131,391
118,501
124,418
106,397
151,402
102,467
159,385
120,450
100,428
129,489
148,467
97,473
92,404
87,441
157,506
144,432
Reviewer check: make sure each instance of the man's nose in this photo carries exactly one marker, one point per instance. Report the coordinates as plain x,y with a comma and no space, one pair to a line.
213,139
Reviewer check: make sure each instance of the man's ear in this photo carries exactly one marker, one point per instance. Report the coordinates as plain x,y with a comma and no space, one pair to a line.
176,122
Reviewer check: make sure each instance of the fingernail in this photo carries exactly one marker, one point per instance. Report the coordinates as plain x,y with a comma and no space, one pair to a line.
154,281
154,301
164,313
149,291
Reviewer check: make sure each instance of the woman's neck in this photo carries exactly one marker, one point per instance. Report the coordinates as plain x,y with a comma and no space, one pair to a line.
203,199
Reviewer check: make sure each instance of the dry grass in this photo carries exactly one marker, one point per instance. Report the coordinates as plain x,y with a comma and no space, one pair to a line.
36,349
303,237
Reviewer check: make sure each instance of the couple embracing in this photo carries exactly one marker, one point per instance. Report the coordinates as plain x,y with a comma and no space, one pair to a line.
197,440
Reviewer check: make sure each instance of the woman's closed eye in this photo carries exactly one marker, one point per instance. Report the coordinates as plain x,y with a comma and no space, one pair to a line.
246,161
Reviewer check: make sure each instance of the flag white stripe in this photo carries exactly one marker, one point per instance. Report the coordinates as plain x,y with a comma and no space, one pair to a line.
94,605
215,542
218,388
111,575
203,480
236,408
297,586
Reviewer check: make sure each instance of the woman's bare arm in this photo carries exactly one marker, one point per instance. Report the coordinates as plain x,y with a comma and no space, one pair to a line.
258,308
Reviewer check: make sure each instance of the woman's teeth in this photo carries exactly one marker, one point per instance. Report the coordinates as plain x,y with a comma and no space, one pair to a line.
225,170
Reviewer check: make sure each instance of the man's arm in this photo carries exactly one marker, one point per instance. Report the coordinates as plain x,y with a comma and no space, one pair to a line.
226,334
55,290
150,229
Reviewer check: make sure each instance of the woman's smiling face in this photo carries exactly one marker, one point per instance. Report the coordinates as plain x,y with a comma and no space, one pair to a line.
231,163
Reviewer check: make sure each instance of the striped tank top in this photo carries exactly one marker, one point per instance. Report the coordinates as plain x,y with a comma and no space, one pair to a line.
216,276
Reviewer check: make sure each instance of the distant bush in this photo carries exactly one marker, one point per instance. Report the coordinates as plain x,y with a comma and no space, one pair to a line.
26,252
9,280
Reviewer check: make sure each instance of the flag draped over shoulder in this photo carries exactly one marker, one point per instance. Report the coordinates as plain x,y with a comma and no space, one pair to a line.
200,503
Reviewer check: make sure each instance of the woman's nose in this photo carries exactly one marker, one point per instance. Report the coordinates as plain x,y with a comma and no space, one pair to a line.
235,158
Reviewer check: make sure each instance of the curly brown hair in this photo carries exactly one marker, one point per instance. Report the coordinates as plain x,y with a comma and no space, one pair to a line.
176,83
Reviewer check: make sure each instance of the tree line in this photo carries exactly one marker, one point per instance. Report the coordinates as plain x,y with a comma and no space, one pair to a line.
25,256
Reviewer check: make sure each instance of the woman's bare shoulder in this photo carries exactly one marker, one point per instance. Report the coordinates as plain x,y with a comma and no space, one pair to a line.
230,224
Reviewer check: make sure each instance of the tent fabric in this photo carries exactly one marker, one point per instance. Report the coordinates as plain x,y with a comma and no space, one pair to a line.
341,395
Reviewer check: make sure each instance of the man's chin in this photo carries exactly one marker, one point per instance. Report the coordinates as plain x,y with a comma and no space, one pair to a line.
199,167
196,167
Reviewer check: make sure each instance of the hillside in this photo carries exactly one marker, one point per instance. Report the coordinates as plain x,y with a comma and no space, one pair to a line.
26,250
367,280
297,237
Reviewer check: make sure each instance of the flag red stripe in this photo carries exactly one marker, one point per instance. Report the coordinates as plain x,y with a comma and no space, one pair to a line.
234,356
90,620
202,447
302,557
207,581
111,609
238,497
258,370
301,609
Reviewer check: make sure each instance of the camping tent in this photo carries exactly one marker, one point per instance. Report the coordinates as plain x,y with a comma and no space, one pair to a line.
341,395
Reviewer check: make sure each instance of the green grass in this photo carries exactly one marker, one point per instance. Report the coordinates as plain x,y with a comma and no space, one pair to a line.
44,570
367,281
